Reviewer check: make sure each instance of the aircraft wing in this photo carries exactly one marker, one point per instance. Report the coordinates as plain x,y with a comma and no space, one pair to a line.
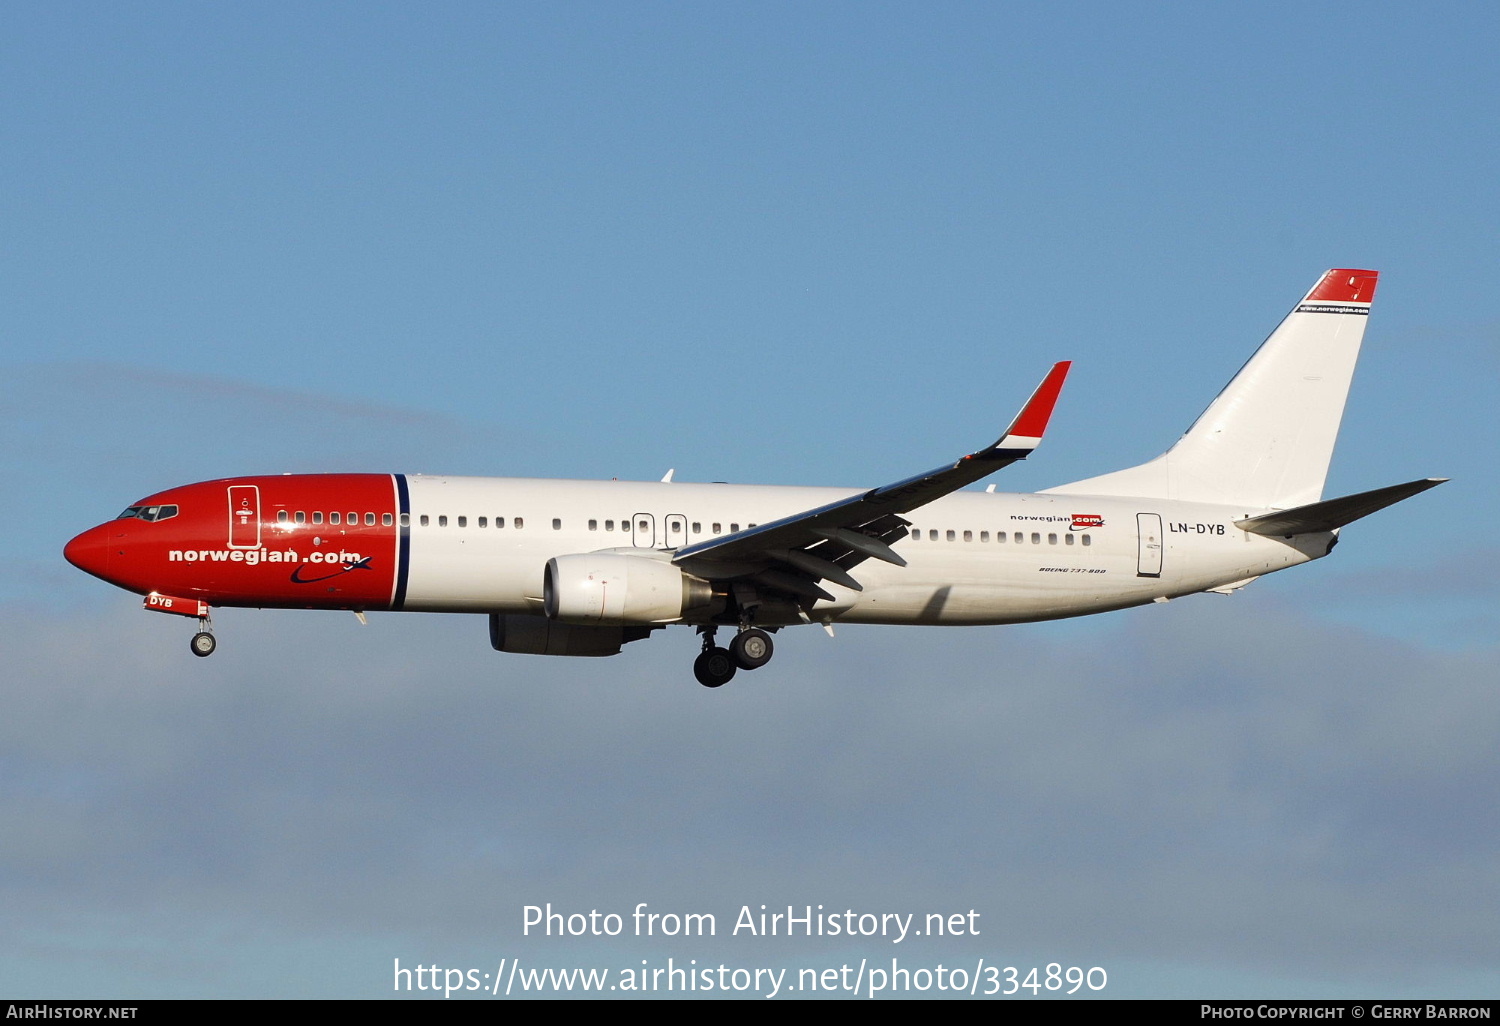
794,553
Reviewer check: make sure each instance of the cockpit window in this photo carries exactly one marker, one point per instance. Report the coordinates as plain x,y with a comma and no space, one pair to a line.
149,513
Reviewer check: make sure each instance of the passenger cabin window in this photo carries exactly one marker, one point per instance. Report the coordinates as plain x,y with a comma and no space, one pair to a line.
718,528
301,517
424,520
932,535
1068,539
499,522
385,519
984,536
733,528
484,521
406,520
609,525
442,520
1051,539
334,518
369,519
697,527
1088,540
593,525
317,518
281,516
463,521
519,523
556,524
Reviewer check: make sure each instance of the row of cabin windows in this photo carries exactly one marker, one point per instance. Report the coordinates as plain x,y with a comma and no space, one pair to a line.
519,523
352,519
674,526
1019,537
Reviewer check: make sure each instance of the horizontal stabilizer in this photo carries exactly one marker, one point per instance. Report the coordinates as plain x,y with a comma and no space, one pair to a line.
1333,513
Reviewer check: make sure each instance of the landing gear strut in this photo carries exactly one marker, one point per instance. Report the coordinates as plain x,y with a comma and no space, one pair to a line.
203,643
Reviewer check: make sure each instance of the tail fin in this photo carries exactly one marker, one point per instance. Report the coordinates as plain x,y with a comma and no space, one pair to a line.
1266,441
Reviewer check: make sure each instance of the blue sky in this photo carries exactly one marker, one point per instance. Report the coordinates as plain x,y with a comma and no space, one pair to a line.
826,243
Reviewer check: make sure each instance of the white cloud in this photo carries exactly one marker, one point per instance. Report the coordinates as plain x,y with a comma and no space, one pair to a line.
1209,781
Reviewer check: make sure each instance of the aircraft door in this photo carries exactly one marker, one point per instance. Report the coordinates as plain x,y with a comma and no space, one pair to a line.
676,531
1148,560
643,531
244,517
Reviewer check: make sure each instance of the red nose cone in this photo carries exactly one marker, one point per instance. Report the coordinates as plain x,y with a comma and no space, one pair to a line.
90,551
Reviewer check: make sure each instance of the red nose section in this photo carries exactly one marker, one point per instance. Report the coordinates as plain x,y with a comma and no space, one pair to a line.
90,551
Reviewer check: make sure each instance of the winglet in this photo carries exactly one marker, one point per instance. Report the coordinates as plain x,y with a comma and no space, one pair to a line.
1026,431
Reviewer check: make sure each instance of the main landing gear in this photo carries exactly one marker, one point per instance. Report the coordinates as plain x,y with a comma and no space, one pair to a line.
750,650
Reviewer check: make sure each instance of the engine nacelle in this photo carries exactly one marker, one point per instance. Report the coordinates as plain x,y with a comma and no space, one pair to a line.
537,635
612,588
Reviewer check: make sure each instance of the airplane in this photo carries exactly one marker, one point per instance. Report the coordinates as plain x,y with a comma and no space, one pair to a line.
582,568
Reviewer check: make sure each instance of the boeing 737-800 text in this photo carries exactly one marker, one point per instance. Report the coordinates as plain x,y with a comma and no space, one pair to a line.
583,567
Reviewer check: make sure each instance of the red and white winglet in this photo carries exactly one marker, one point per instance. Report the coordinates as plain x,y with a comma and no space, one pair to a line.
1026,431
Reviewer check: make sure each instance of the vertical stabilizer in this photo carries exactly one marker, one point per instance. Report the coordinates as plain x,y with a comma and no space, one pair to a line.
1266,441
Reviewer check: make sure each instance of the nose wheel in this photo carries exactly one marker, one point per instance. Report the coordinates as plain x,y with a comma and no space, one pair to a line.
203,643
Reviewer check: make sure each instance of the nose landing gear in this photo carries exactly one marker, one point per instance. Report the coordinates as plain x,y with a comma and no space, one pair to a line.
203,643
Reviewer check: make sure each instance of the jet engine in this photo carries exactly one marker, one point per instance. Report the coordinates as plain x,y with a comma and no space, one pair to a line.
595,588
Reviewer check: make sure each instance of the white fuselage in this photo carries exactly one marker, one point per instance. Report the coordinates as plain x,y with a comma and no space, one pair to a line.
972,558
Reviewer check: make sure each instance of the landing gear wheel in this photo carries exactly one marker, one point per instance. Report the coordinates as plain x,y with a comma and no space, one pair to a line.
714,667
203,644
751,649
